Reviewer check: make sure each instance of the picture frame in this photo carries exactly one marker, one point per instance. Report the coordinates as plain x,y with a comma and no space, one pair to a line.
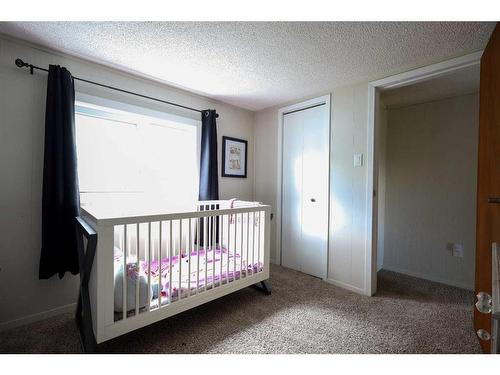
234,157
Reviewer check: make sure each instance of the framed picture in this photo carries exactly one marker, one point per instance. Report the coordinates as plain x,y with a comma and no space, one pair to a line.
234,157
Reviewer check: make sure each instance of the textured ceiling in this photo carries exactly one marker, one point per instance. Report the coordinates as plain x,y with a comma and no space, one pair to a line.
460,82
259,64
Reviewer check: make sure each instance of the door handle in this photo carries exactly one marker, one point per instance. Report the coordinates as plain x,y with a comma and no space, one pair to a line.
313,200
483,334
484,303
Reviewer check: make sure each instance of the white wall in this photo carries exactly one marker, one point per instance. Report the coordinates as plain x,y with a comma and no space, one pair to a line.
266,169
22,109
349,106
430,196
346,261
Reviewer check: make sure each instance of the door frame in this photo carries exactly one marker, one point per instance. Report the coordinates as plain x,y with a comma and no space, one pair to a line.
320,100
374,89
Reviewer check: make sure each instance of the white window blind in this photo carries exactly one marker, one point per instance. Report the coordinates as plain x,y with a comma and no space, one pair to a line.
135,158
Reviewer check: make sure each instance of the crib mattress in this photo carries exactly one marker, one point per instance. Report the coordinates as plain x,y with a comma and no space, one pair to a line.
216,266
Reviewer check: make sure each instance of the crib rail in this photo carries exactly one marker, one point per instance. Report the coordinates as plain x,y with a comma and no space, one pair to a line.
164,264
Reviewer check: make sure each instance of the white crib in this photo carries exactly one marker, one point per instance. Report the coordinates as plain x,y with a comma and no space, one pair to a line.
150,267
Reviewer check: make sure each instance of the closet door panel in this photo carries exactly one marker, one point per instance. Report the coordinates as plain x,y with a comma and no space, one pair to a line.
291,232
315,177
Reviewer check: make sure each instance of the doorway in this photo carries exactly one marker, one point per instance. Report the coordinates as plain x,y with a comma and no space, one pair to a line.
423,173
427,178
305,187
375,89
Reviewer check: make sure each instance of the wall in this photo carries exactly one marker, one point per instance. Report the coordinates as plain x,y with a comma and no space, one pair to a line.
22,109
431,189
346,265
266,169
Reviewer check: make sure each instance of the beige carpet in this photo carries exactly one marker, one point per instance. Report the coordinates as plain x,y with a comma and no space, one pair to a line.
303,315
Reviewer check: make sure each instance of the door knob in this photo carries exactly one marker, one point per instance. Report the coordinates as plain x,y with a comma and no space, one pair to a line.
313,200
483,334
483,303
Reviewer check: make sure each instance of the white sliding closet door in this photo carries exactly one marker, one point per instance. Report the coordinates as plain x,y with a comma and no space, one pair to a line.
305,197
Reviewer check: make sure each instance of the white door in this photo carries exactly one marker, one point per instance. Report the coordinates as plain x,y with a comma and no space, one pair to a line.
304,230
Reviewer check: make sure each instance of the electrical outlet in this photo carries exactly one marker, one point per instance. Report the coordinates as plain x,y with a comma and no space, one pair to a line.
457,250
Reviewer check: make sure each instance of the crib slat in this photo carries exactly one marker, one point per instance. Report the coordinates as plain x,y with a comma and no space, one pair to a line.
170,265
241,246
228,246
189,258
209,241
221,233
124,273
205,240
179,288
253,242
258,242
235,247
137,270
212,243
159,266
148,306
248,244
198,255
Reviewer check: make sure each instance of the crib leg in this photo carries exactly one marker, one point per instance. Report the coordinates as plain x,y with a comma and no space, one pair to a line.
86,334
83,314
264,287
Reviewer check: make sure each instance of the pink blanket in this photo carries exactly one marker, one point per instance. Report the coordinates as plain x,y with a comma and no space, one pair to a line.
216,266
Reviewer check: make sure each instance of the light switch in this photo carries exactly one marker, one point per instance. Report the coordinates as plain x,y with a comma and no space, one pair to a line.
358,160
457,250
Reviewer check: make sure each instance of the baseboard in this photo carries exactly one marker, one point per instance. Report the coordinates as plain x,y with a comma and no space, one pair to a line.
343,285
36,317
427,277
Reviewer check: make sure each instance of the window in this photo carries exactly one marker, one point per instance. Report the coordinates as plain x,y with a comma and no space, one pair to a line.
140,159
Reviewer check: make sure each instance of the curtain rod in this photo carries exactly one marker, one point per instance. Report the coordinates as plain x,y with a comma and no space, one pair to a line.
21,64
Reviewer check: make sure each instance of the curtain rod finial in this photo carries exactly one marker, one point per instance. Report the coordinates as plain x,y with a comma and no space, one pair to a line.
20,63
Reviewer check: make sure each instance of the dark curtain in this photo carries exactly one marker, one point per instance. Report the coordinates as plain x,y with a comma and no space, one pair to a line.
209,182
209,179
61,200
